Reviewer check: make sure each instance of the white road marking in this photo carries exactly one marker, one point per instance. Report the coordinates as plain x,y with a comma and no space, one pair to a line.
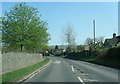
81,80
32,76
33,73
85,74
72,68
37,71
92,80
57,62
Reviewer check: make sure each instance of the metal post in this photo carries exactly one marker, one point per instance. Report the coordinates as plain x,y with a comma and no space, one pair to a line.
94,32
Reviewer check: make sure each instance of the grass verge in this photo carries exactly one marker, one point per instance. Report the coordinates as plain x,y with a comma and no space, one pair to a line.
20,73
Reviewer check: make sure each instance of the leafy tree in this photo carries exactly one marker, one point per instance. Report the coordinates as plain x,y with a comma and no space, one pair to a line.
89,41
80,48
99,42
56,47
22,26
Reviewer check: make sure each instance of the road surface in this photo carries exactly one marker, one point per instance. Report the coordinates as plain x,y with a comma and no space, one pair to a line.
66,70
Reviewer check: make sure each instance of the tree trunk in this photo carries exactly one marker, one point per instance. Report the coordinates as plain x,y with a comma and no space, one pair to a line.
21,47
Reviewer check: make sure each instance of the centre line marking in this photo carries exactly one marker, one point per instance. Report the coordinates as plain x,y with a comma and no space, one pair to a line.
72,68
81,80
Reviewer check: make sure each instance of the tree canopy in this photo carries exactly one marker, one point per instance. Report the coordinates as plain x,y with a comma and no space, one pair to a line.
56,47
22,26
98,42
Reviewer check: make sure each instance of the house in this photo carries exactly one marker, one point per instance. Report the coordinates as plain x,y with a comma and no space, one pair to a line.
115,41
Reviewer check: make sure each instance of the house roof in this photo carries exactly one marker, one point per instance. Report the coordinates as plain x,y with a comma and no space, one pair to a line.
113,41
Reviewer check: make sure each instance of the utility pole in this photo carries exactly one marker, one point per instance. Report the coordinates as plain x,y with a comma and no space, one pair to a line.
94,32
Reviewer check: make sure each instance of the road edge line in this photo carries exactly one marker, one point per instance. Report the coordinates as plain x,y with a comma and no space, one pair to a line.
33,73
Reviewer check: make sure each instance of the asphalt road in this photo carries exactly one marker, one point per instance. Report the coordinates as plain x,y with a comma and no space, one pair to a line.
66,70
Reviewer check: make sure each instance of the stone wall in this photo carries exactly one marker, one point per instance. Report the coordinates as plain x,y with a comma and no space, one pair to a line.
13,61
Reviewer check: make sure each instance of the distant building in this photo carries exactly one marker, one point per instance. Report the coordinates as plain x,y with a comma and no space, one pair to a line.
115,41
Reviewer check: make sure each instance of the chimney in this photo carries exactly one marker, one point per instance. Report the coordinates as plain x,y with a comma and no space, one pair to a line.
114,35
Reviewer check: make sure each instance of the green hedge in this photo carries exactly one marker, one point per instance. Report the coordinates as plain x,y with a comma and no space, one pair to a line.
107,57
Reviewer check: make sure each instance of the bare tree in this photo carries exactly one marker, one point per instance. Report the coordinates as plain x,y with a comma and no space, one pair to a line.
69,36
99,41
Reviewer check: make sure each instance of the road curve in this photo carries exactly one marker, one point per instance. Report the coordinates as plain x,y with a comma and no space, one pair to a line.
57,71
66,70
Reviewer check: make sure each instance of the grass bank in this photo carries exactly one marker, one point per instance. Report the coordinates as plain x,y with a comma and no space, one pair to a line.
20,73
